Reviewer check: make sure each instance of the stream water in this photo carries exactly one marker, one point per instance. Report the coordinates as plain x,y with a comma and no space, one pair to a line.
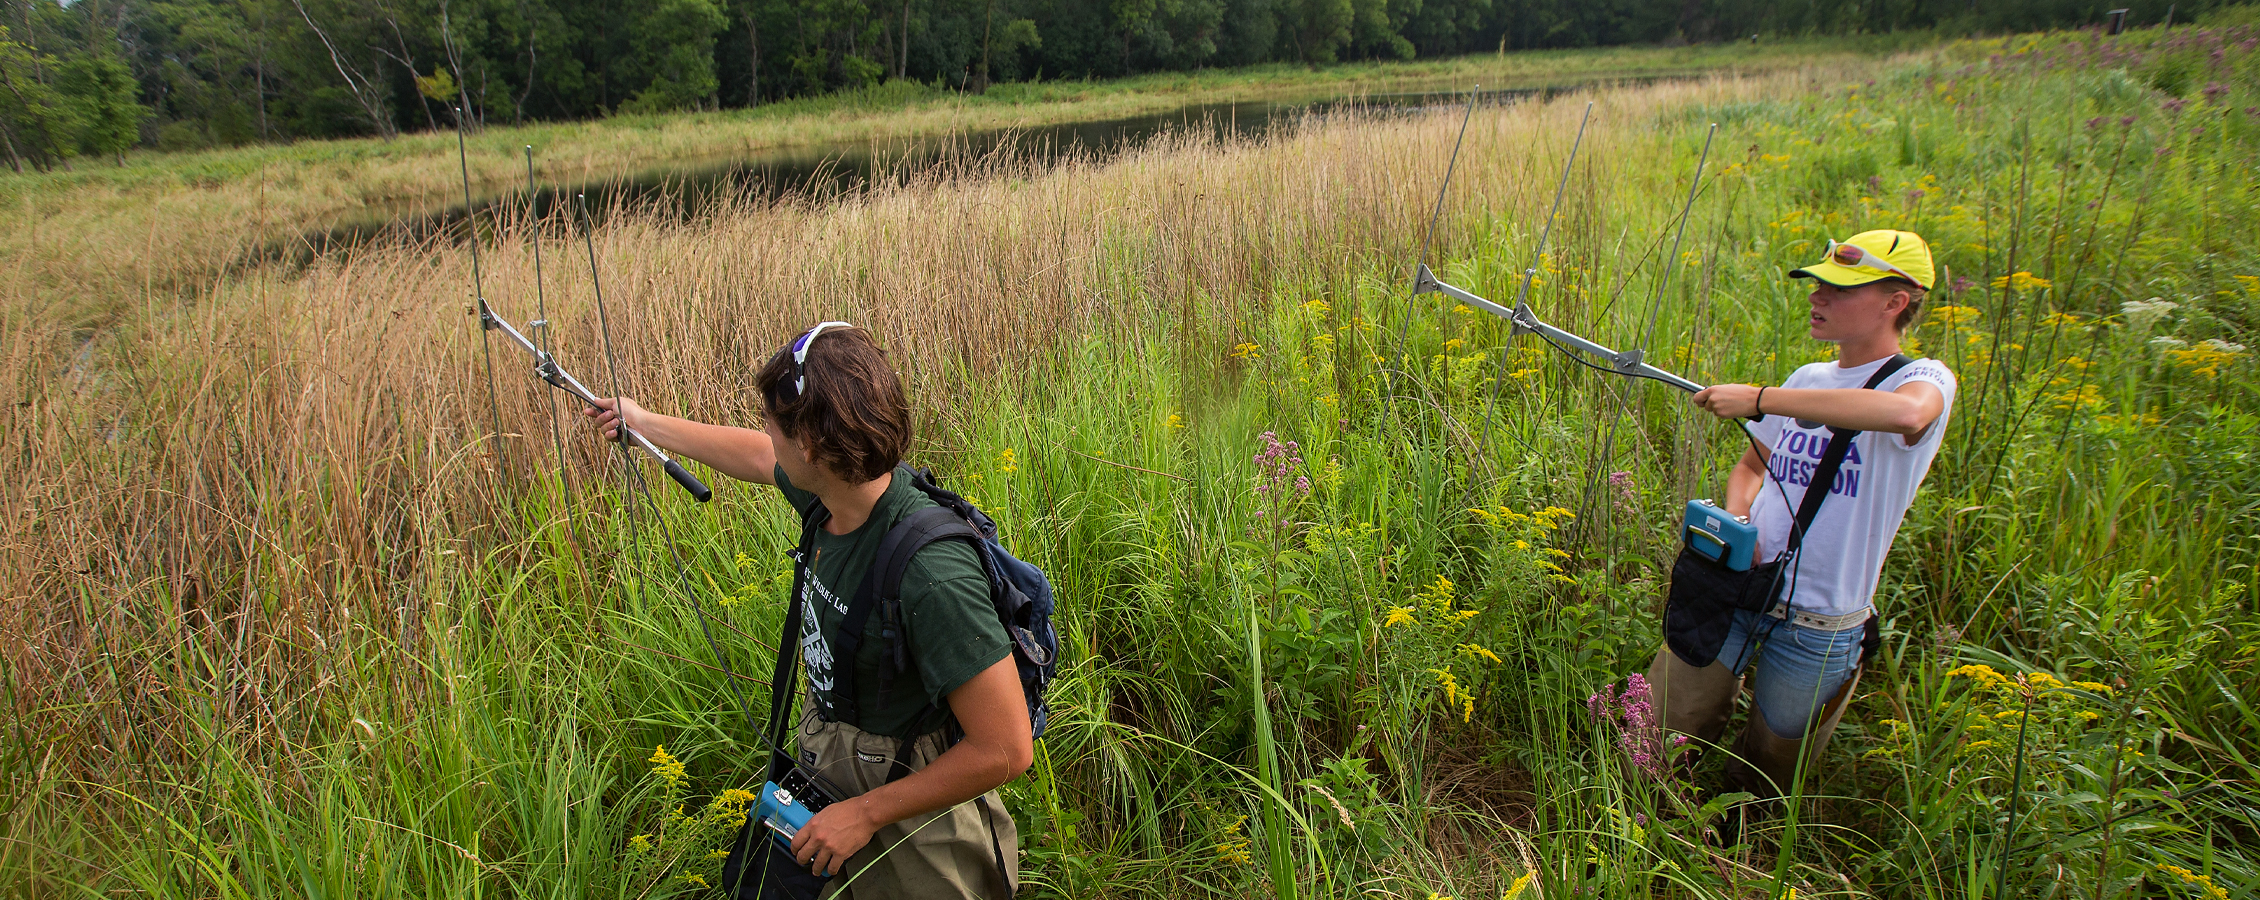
820,172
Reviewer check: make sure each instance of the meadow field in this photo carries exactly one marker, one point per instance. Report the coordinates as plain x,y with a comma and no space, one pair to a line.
303,599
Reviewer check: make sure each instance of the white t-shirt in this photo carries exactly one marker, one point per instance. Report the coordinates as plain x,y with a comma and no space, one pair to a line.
1843,550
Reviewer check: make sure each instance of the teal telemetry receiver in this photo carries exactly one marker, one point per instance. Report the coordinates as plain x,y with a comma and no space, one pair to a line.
786,808
1719,536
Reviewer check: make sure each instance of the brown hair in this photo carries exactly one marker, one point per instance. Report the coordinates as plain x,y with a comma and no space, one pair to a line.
1915,296
852,415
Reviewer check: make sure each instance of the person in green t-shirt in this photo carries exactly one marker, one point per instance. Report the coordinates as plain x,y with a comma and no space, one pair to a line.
835,425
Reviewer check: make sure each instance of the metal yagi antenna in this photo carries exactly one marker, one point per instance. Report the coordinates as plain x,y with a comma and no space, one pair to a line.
545,365
1630,363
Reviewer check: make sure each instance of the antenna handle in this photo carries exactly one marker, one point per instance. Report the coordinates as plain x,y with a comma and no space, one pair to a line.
690,482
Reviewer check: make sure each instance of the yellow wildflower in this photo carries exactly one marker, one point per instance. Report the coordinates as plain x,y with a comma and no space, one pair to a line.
2206,357
1175,421
2021,281
669,769
1478,651
1398,615
640,843
2095,686
1450,684
1982,674
1515,890
1315,306
1007,463
2204,883
696,880
1953,315
1247,351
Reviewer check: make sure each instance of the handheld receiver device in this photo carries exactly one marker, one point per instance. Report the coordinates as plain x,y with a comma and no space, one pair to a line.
1718,536
786,808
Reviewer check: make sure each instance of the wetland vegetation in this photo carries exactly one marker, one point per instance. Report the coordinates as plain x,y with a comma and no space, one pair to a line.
289,616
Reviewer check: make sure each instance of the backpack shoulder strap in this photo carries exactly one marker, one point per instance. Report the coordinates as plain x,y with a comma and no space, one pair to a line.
1832,460
882,592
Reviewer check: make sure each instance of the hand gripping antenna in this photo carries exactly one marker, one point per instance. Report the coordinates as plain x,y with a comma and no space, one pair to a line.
545,365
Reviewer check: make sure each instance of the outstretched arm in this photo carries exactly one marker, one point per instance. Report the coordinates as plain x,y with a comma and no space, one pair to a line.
741,453
1910,410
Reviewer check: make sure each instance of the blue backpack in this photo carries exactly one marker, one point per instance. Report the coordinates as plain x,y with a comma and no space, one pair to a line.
1020,593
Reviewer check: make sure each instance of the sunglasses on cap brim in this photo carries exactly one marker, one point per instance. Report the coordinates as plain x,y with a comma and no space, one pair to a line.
1856,256
799,351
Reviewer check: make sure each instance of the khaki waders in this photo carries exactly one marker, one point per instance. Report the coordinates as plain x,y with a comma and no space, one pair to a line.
952,853
1698,702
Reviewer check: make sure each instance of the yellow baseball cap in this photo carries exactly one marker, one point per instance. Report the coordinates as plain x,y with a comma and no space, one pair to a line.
1874,256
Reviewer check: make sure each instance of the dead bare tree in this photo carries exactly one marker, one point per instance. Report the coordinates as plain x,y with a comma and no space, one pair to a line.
366,93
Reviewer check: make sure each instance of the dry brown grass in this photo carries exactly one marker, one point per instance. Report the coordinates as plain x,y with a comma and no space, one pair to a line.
211,495
80,247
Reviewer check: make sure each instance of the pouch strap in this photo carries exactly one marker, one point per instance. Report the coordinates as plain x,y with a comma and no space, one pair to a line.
788,644
1823,482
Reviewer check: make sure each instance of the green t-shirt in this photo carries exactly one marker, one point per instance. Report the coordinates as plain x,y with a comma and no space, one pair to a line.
952,629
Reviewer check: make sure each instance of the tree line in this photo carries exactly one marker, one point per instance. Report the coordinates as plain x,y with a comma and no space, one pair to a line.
97,77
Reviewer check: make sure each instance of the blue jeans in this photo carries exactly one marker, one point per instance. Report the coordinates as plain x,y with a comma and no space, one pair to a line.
1793,670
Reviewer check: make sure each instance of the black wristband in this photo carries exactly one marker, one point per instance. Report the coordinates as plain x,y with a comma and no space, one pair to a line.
1760,404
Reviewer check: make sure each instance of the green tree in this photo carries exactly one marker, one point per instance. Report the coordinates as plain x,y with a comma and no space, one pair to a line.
35,123
675,40
1319,28
101,92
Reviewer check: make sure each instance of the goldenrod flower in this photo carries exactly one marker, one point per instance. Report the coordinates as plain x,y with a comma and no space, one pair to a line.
1006,462
1478,651
1247,351
1515,890
2021,281
669,769
1398,615
2204,883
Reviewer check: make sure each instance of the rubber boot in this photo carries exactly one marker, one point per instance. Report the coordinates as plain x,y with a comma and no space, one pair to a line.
1695,701
1767,762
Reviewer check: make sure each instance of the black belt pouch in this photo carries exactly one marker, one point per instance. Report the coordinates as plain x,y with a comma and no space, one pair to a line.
1704,595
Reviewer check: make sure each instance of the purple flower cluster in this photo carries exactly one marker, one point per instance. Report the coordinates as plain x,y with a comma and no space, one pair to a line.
1279,481
1640,731
1628,493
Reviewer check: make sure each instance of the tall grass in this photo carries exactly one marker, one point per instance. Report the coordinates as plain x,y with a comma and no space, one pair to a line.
293,623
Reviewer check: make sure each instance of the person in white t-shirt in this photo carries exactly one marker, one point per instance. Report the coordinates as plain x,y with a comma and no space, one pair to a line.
1802,656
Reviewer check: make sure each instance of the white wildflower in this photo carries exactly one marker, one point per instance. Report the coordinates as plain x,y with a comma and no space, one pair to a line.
2229,347
2168,342
2141,314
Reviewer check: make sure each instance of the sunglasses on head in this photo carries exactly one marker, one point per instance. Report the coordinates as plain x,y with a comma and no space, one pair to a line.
1857,256
799,351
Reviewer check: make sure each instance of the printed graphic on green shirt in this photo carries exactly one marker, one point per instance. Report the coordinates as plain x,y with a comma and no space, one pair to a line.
951,629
